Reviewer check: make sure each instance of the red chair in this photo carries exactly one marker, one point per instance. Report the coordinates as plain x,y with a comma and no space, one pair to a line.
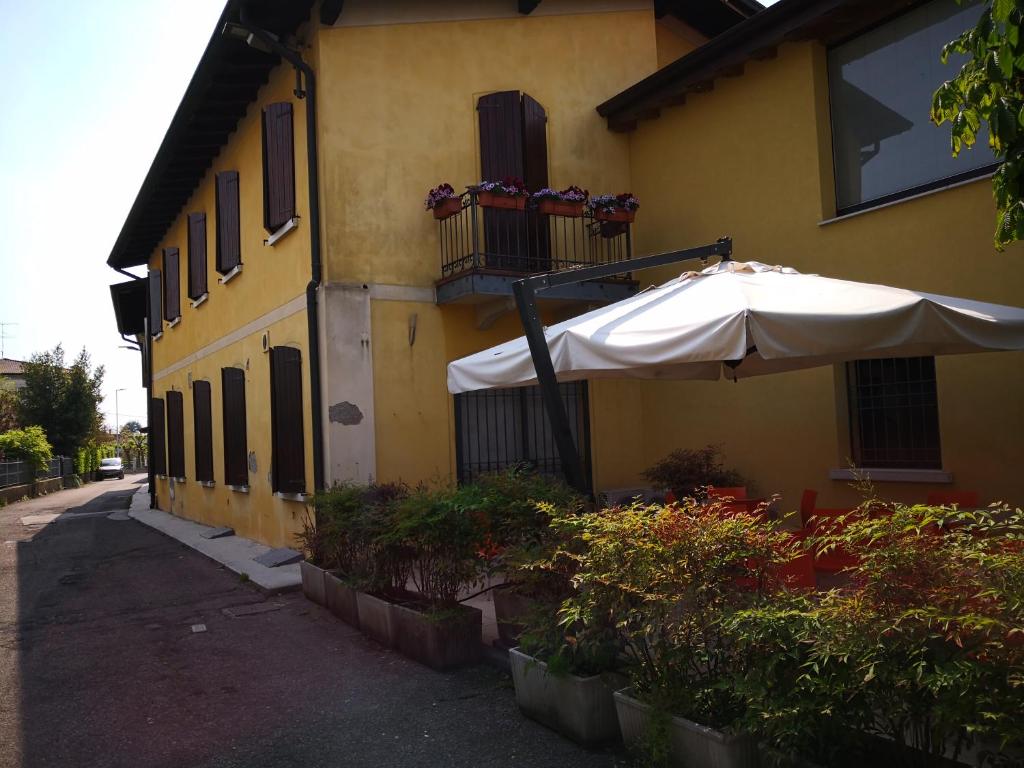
836,559
807,502
735,492
799,572
963,499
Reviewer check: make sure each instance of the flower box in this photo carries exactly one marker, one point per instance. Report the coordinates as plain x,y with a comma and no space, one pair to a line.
498,200
313,582
447,207
690,744
560,208
342,600
376,618
618,214
445,640
579,708
510,609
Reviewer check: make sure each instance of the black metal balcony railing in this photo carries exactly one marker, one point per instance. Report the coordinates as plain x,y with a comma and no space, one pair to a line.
479,238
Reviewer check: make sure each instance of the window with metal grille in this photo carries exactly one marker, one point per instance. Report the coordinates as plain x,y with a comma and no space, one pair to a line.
894,413
499,428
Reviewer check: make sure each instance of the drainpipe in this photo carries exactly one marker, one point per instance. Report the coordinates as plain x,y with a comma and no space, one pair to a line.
305,88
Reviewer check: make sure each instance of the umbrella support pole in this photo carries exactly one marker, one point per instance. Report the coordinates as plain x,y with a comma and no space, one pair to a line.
525,292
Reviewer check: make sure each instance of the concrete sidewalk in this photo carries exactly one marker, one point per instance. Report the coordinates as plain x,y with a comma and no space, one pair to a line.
233,552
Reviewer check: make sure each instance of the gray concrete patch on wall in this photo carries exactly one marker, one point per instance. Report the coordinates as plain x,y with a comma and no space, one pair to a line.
345,413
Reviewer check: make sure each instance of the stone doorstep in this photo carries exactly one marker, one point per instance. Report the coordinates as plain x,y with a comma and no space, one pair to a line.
235,553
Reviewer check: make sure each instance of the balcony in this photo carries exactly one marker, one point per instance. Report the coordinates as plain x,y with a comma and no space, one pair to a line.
484,250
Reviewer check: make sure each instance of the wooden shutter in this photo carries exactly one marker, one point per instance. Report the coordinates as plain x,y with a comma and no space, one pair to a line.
172,280
156,323
175,434
196,255
229,228
236,468
289,453
203,430
535,170
156,429
278,165
500,116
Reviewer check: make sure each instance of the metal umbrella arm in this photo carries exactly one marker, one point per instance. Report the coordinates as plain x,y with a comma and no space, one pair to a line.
526,291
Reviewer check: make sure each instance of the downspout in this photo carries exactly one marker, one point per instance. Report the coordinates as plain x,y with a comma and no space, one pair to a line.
307,90
149,388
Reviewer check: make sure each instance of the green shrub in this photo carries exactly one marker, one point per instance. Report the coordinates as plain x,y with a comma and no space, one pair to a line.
688,472
28,444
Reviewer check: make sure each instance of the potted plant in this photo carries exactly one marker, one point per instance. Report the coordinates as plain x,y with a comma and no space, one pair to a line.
508,193
443,201
444,548
567,202
619,208
668,578
313,568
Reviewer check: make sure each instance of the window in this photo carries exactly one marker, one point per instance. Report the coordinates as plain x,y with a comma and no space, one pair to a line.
289,452
881,85
278,166
172,278
175,434
498,428
894,413
229,229
196,255
156,427
236,466
155,303
513,142
203,430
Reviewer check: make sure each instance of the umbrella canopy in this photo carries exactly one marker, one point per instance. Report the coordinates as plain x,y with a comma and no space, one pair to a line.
747,319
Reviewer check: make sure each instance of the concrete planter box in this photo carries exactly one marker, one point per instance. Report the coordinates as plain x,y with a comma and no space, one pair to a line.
579,708
376,618
691,745
510,610
341,600
447,641
313,582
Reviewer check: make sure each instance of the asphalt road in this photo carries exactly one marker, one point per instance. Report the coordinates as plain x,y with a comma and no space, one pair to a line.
100,666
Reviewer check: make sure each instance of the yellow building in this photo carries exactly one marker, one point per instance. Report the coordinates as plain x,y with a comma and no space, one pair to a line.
302,306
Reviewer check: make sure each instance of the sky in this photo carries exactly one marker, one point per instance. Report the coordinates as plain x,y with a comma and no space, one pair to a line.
89,89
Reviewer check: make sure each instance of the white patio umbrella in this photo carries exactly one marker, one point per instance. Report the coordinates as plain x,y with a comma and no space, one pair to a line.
747,319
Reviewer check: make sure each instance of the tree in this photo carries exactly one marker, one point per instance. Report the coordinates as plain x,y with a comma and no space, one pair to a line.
988,88
27,444
8,407
64,401
131,427
134,446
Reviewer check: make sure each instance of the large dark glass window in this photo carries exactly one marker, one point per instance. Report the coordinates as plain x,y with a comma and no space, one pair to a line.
894,413
499,428
880,86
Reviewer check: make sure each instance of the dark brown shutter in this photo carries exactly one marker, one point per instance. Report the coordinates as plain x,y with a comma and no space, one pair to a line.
229,228
172,281
203,424
278,165
156,428
156,323
289,453
196,255
175,434
535,169
501,154
236,468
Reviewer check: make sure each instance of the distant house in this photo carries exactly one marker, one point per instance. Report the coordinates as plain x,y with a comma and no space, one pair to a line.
13,371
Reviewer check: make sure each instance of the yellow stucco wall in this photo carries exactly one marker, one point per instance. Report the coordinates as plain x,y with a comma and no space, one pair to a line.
227,329
752,159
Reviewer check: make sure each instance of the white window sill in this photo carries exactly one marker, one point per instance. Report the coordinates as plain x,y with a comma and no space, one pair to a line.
178,479
160,477
283,230
174,322
907,199
304,498
158,336
207,483
236,270
239,488
893,475
201,300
